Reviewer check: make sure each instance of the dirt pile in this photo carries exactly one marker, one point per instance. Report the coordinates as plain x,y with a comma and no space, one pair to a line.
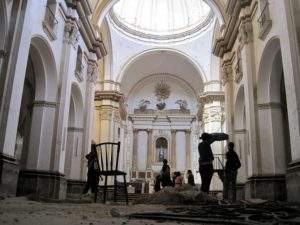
186,194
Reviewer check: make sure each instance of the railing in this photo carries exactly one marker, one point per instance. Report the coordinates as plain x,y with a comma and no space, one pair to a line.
264,15
219,162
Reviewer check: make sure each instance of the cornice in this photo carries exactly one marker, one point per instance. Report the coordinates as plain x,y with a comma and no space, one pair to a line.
109,95
211,96
84,10
225,43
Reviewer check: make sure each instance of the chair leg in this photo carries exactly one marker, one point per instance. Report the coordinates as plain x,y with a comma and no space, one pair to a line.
125,189
104,190
115,188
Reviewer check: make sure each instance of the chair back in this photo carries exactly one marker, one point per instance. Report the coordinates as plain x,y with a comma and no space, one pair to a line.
108,155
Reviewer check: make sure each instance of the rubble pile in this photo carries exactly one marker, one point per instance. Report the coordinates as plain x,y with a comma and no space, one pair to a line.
186,194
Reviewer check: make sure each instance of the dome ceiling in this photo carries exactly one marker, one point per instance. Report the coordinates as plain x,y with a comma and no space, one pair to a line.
161,19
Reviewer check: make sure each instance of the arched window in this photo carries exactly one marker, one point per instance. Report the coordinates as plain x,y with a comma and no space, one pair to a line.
161,149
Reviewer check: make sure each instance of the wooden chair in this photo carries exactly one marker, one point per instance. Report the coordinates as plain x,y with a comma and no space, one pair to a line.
108,157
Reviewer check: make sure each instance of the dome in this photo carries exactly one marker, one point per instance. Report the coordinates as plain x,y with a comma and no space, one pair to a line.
161,18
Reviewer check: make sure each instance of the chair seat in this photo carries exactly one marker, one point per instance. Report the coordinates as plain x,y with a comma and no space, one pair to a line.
111,173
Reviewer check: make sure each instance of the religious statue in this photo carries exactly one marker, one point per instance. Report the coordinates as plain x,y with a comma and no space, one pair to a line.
162,92
143,104
182,104
161,154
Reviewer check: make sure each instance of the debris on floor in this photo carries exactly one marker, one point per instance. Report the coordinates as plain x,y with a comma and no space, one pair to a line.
186,194
247,214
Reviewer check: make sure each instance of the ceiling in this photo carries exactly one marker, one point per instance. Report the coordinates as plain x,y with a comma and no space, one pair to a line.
161,62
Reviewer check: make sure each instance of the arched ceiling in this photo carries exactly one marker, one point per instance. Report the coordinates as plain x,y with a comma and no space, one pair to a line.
161,62
101,8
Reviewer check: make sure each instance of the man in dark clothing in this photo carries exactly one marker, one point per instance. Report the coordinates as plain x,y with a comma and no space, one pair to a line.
93,172
206,158
165,174
232,165
191,180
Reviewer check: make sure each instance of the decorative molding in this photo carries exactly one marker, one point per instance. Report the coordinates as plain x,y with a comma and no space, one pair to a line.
269,105
238,66
75,129
71,32
50,23
109,95
240,131
92,71
162,113
105,114
225,43
245,35
45,104
226,75
211,96
264,21
87,31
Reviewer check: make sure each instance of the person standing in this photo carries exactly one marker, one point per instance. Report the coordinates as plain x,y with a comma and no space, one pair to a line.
206,169
93,172
190,176
165,174
231,167
178,180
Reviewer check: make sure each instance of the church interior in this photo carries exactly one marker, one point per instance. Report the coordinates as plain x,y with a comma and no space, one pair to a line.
152,75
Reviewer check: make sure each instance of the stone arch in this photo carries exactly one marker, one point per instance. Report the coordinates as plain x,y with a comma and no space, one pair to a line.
45,68
74,143
166,149
178,53
240,133
41,72
239,112
272,111
37,108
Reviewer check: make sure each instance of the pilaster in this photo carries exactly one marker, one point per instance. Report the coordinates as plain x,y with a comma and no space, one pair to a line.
173,149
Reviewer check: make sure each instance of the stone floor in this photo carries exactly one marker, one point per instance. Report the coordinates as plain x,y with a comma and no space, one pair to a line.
20,210
24,212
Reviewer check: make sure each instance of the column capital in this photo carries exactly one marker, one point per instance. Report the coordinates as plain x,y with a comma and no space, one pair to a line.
92,71
245,35
173,131
71,32
109,95
187,131
210,96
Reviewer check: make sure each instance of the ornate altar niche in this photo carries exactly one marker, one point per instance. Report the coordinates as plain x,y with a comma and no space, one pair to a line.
161,117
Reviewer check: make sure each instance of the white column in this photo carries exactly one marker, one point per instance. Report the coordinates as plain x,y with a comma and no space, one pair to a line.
142,150
291,68
14,71
66,73
41,134
247,54
180,150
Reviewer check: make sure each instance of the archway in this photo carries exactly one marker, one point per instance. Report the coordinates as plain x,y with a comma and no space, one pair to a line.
273,118
74,135
37,114
240,134
161,147
274,131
